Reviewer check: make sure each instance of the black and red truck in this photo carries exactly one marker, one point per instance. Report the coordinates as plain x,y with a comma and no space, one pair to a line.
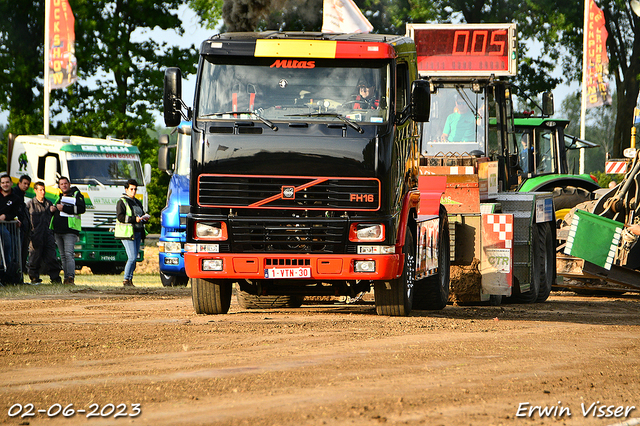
302,186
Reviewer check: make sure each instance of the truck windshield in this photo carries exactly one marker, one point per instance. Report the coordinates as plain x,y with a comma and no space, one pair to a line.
284,89
107,169
457,123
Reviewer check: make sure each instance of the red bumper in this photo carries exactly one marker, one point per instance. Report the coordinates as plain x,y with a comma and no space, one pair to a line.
322,267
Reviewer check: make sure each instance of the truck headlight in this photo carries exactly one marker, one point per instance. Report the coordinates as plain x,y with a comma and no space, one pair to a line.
212,265
364,266
211,231
359,232
170,247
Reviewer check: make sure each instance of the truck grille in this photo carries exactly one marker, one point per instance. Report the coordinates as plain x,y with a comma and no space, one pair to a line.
287,235
102,241
284,192
104,220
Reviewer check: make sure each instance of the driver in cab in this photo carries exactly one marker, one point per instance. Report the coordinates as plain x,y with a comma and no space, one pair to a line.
460,125
366,96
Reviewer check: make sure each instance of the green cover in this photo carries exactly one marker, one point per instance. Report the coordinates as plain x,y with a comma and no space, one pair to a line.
593,238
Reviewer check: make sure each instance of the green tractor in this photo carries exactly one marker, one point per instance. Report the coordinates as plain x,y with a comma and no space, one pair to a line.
542,163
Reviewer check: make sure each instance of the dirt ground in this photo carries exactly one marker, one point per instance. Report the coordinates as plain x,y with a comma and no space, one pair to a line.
321,364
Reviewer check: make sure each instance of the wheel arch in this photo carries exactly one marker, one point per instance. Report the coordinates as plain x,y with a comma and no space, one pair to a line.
543,183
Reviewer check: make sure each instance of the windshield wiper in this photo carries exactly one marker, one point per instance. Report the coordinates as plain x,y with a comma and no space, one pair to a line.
90,179
268,123
352,124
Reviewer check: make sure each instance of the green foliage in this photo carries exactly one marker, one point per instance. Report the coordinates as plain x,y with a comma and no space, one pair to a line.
120,74
604,179
209,11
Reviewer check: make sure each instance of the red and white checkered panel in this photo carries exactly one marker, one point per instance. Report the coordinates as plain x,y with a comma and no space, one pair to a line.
502,226
496,257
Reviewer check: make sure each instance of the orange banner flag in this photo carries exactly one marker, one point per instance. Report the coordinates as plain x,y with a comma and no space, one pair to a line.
62,60
597,72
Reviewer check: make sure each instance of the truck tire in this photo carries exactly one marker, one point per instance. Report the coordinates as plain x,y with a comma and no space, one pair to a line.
211,297
531,296
173,280
545,258
569,196
395,297
252,301
432,293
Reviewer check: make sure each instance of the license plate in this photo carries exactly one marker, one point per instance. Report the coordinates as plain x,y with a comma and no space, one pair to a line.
287,273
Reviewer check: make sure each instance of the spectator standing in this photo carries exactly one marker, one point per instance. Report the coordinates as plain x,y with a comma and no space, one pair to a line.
24,217
130,227
42,250
66,225
9,204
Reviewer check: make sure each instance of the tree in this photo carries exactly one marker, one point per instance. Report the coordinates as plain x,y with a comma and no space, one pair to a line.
22,35
600,128
120,73
209,11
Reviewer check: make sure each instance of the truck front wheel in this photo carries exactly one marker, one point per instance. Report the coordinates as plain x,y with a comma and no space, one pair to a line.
173,280
395,297
211,297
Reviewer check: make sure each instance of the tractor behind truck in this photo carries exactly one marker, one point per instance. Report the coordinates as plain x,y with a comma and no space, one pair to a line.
502,241
299,186
544,145
99,168
599,250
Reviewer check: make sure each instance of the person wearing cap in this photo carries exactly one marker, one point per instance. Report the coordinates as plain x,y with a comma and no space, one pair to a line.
366,96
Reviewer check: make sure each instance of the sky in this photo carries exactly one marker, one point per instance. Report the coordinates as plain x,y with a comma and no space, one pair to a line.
195,34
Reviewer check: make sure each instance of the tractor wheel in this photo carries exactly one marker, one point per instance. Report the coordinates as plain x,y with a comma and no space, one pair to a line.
395,297
569,196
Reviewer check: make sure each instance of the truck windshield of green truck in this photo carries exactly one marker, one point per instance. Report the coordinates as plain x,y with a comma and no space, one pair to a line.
104,169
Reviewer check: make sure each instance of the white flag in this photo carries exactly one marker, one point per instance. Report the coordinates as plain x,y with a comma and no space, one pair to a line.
343,16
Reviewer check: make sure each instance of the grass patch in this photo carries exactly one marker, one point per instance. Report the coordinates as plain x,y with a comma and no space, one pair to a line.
83,282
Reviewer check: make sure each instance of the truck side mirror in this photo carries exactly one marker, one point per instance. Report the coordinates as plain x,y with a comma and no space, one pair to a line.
172,99
420,101
547,104
163,152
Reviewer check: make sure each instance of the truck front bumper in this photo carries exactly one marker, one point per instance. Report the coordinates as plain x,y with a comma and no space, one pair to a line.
171,263
304,266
